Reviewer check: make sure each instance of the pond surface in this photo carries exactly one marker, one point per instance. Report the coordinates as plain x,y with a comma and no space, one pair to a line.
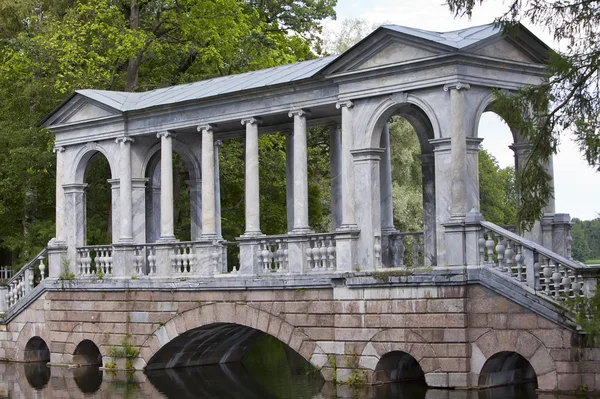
222,381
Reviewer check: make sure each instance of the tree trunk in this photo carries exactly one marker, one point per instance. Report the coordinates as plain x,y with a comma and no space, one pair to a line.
133,65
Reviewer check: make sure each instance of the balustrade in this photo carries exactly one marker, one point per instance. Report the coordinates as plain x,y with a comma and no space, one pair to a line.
182,258
320,252
272,255
557,277
406,249
25,280
95,260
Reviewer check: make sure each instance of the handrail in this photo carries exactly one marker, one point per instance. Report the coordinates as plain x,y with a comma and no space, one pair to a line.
537,247
28,265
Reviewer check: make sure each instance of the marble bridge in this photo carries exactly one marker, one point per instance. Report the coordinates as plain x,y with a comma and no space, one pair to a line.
463,303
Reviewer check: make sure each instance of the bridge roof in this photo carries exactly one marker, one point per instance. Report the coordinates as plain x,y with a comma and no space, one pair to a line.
285,74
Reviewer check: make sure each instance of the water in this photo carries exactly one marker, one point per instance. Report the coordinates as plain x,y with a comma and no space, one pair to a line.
223,381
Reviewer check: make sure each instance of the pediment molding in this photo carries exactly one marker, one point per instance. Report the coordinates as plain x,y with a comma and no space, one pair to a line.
78,109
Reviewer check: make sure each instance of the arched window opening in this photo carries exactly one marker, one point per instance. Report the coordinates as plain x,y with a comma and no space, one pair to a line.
506,368
397,367
98,201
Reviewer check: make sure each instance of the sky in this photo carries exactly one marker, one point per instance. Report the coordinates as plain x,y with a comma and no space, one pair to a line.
577,185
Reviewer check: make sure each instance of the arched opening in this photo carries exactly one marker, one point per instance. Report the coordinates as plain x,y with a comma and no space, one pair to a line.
399,366
507,368
87,353
186,199
36,350
407,184
498,159
37,374
230,360
99,215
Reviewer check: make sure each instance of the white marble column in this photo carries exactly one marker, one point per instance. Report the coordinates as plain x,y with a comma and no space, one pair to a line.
218,143
125,193
75,220
209,227
335,170
385,171
348,202
289,180
60,195
252,194
166,187
458,151
300,172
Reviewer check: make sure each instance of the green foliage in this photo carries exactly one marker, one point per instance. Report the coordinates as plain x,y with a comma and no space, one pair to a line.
586,311
497,196
50,48
124,351
586,239
567,99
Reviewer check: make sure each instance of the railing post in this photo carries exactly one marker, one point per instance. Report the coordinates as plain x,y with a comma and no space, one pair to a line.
208,258
472,235
297,245
124,260
345,250
163,260
249,254
3,298
57,260
590,283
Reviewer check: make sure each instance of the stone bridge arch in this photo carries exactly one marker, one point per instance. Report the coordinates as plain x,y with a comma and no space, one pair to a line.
227,319
29,331
520,342
400,340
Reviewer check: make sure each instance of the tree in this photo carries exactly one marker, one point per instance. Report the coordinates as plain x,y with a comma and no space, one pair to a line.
497,196
48,48
567,100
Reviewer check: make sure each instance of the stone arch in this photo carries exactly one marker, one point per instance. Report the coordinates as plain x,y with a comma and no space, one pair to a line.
87,353
399,340
398,366
506,368
84,156
29,331
234,314
486,104
188,156
520,342
85,331
36,350
410,107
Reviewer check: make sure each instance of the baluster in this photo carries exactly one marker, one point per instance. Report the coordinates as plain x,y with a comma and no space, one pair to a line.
331,253
80,261
489,244
566,282
377,251
578,285
42,268
278,256
520,259
323,251
500,250
151,260
416,249
87,265
557,279
109,262
547,272
315,255
7,298
509,255
30,278
537,273
99,260
285,257
265,257
481,245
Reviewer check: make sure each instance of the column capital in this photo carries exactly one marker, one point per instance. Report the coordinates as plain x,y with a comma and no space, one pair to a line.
124,139
206,127
166,133
218,143
57,149
520,147
299,112
344,104
457,86
251,120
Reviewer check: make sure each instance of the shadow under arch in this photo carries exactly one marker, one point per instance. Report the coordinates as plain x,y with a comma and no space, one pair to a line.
398,366
36,350
506,368
37,374
87,353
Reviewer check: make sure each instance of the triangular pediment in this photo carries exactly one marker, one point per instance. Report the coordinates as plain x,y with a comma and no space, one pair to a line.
393,53
79,108
506,50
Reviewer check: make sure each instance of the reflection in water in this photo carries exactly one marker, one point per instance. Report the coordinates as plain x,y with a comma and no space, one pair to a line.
88,378
37,374
221,381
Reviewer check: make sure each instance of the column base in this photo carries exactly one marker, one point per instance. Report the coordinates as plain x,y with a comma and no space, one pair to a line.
126,241
300,231
252,234
346,227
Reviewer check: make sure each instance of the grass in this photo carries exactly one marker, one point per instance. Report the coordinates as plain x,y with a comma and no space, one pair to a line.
592,262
